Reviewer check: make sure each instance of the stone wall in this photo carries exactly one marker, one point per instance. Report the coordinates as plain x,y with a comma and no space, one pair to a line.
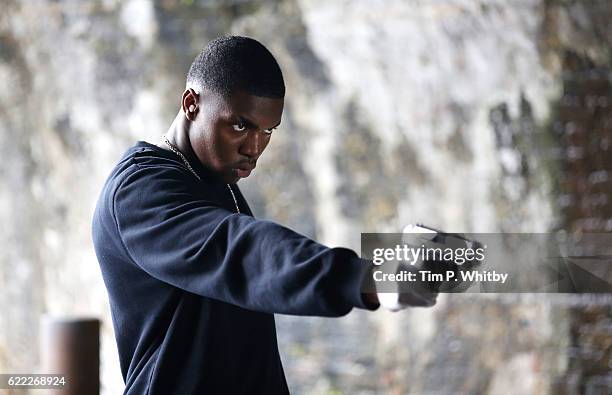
476,116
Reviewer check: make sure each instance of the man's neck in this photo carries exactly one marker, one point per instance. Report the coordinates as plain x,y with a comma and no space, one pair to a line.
178,135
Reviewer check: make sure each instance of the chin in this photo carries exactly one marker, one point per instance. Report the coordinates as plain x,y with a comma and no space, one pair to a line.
232,178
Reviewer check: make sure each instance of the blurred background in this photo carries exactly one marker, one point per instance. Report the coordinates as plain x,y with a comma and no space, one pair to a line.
467,115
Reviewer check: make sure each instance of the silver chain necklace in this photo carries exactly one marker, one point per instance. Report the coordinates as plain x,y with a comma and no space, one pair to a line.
186,162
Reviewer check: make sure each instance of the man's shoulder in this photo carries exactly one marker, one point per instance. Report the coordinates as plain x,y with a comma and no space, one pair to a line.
144,154
147,174
145,168
144,159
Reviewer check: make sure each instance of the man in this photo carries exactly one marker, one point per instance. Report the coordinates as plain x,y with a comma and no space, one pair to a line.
193,279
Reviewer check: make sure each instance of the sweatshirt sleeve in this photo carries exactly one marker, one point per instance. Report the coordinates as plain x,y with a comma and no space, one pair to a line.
204,249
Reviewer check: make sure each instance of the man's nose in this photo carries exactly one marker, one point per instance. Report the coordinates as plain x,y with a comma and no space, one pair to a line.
252,145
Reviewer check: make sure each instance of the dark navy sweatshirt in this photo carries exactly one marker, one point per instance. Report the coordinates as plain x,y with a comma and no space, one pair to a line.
193,285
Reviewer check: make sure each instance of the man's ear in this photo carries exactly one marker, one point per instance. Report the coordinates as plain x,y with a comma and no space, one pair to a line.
189,103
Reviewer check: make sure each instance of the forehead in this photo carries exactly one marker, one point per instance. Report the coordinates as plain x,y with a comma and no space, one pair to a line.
265,112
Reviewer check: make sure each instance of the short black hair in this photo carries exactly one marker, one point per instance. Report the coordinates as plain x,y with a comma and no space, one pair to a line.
234,63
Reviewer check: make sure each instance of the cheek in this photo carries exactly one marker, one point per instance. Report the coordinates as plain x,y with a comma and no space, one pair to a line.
211,136
205,139
205,142
225,143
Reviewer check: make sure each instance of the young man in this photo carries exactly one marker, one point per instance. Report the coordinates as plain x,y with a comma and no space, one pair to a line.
193,279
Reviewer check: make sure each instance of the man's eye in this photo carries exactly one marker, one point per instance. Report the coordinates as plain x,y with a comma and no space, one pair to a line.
239,127
269,131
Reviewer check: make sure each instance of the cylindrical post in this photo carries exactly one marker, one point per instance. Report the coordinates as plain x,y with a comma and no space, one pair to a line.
71,347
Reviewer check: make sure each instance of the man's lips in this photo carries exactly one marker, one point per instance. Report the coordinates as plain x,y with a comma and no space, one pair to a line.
244,171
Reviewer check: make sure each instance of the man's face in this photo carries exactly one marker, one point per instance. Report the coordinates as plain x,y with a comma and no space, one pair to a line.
228,135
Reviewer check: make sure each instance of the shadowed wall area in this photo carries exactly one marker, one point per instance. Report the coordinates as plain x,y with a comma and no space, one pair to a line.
471,116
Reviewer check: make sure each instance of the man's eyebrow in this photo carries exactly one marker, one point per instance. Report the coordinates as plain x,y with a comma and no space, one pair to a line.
252,124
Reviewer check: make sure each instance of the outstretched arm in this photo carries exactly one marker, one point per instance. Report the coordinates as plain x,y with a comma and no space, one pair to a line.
195,245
